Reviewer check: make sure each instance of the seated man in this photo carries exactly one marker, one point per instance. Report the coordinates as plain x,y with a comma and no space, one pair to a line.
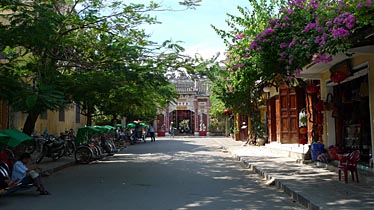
27,175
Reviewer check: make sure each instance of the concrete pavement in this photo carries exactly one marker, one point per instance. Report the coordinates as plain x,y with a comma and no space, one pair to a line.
312,186
178,174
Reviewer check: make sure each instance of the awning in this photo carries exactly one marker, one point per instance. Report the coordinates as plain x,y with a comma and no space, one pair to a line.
13,137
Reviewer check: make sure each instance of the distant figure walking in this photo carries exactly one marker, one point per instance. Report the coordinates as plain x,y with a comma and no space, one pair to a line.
151,131
172,130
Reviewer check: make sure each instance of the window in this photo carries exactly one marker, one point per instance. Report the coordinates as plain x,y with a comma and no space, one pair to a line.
77,113
61,115
44,115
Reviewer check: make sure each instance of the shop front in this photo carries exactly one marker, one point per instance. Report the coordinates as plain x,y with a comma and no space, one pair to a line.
347,90
350,113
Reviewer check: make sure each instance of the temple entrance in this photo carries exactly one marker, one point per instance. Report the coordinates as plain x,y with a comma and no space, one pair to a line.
184,121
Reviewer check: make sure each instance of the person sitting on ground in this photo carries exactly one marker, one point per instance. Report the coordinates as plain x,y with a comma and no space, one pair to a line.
27,175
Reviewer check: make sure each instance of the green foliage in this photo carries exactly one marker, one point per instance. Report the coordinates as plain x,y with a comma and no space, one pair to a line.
238,83
91,52
217,107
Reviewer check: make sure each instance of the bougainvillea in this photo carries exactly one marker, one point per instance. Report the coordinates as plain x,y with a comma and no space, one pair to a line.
308,31
267,43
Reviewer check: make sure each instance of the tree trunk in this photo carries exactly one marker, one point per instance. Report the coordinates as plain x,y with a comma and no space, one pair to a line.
227,132
28,127
250,131
89,116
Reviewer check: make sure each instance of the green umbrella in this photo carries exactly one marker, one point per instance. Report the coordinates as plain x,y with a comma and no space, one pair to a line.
143,125
119,125
102,129
110,127
85,133
15,137
131,125
4,139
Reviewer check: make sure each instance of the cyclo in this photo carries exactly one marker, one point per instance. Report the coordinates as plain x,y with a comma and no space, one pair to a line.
93,143
11,140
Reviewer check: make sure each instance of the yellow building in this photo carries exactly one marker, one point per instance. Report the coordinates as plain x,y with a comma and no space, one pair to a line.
54,121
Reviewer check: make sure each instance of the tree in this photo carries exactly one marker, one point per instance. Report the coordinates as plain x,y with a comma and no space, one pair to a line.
48,41
237,83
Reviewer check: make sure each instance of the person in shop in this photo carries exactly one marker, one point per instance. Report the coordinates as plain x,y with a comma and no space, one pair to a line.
28,175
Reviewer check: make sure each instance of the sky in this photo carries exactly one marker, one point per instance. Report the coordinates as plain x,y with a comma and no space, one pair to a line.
193,27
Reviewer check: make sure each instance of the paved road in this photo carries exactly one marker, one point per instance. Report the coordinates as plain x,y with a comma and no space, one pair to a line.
178,174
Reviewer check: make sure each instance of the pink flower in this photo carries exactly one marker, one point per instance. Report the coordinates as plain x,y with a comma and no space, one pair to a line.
309,26
268,31
253,46
340,32
368,3
239,36
349,22
317,40
297,72
283,45
282,55
292,43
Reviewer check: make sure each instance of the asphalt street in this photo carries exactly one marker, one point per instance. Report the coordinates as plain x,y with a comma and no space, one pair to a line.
177,174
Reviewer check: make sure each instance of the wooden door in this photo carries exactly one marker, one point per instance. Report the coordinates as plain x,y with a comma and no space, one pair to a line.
288,106
271,119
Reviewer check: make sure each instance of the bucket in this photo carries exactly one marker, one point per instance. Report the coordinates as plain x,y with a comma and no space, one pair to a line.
316,150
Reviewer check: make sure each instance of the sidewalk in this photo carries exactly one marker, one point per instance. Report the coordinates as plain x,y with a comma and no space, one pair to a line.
49,166
312,186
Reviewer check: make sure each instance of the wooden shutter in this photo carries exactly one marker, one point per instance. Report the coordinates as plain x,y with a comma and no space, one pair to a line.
288,116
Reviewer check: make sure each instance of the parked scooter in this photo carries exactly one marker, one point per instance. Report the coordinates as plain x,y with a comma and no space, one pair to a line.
53,148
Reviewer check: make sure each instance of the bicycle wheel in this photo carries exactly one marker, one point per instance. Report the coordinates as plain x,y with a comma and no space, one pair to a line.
40,156
83,155
69,148
100,151
57,154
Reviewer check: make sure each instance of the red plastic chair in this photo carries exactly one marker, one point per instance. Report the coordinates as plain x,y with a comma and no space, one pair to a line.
347,163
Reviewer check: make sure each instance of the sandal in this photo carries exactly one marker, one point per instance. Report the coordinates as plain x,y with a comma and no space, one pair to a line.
45,193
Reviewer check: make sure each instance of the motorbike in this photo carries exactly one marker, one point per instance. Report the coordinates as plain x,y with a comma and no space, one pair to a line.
53,148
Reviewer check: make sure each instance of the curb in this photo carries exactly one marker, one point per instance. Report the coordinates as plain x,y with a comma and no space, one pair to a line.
52,170
305,202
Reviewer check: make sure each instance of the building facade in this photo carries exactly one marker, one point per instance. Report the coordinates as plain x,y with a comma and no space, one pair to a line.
55,122
189,113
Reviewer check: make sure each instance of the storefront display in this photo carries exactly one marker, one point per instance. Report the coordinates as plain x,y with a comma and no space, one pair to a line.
353,122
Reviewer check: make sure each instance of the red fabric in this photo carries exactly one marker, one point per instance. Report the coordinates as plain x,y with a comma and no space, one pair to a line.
4,157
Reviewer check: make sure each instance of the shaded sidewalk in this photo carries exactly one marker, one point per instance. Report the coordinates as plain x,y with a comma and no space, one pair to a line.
48,166
312,186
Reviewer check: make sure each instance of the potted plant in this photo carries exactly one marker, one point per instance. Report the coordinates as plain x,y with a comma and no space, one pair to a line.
260,133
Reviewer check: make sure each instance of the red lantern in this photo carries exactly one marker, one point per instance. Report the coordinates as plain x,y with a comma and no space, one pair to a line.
338,77
227,112
303,130
311,88
319,118
303,141
319,106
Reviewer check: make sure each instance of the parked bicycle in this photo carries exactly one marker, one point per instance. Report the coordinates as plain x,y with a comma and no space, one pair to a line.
69,142
51,147
95,142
